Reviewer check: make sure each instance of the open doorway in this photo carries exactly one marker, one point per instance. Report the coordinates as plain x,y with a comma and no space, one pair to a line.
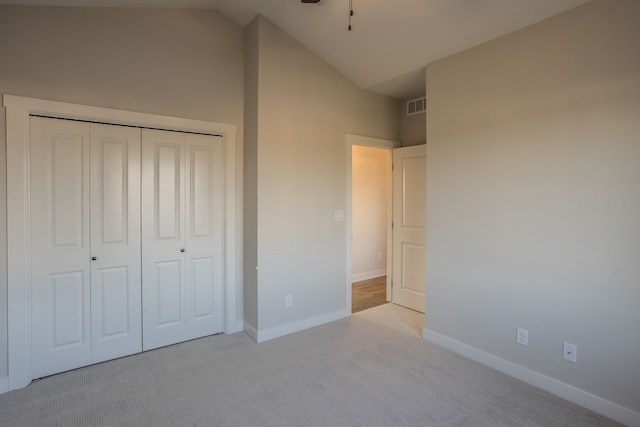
370,224
406,242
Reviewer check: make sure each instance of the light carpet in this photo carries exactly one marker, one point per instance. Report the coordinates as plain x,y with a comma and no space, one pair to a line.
372,369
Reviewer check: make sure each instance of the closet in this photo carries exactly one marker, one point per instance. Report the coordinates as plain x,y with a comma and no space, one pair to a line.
126,238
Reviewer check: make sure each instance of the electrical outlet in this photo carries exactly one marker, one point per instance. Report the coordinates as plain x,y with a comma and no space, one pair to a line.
379,256
570,352
522,337
288,301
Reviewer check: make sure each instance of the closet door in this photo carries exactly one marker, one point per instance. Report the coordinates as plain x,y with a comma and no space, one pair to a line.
116,295
182,205
60,245
163,277
204,203
85,243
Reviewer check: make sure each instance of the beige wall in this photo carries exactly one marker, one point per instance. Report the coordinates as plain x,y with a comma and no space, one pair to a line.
168,62
413,129
370,193
533,195
305,108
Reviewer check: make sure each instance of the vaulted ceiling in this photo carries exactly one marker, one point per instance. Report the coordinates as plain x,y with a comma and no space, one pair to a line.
391,40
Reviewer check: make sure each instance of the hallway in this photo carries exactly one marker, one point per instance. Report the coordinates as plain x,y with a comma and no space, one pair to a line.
368,293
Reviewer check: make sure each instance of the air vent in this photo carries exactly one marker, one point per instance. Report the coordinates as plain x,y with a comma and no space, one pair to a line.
416,106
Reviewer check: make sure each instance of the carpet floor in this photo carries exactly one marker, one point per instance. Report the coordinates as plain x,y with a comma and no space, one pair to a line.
372,369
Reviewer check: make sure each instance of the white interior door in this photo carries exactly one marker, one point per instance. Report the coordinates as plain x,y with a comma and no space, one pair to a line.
182,208
60,246
163,243
85,243
409,226
116,324
204,202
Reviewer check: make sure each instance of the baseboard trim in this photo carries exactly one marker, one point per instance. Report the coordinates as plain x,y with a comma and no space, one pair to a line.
546,383
289,328
368,275
4,385
251,331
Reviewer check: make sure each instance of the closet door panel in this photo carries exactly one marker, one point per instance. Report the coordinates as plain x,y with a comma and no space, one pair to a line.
167,191
67,309
60,246
112,288
163,271
204,205
202,298
169,303
115,242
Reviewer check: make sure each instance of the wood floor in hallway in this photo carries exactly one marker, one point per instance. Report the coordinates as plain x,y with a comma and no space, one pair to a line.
368,293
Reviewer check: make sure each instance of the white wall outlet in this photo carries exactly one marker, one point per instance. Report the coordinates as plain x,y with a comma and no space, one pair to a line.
288,301
570,352
379,256
522,336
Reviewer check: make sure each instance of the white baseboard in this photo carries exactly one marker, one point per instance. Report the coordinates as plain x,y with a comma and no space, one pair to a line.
251,331
368,275
4,384
289,328
546,383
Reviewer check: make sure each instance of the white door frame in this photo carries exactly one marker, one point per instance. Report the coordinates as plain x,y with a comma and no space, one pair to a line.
18,110
366,141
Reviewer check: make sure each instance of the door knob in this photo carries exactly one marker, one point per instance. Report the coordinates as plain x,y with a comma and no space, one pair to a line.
93,258
181,250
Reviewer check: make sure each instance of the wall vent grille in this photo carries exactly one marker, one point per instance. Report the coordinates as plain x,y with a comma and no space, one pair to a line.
416,106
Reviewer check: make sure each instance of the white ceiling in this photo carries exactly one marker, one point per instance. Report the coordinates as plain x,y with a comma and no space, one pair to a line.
391,40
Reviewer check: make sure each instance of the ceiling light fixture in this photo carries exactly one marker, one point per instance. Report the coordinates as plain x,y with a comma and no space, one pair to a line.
322,1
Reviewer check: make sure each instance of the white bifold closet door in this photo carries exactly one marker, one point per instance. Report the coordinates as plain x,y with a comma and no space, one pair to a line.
182,236
85,243
126,240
